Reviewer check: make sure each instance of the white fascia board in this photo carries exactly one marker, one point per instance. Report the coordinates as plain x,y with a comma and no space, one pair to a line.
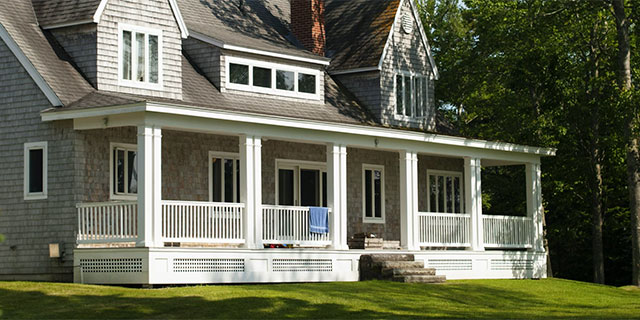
98,14
299,124
221,44
356,70
184,32
29,67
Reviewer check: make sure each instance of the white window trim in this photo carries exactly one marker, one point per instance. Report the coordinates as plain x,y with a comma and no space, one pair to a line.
45,172
112,194
445,173
365,219
273,66
296,166
134,62
404,117
223,155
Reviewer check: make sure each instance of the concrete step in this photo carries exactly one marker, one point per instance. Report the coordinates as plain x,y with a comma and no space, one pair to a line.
400,264
420,279
387,257
390,272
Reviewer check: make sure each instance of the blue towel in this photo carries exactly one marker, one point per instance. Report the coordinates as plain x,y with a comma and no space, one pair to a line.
319,219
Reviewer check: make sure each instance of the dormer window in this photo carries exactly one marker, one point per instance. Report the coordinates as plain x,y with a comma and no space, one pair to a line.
271,78
140,51
411,95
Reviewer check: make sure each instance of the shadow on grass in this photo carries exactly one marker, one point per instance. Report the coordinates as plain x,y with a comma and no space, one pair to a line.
372,299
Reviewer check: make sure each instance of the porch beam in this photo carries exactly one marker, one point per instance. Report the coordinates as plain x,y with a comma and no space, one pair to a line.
534,204
337,194
473,200
149,170
408,199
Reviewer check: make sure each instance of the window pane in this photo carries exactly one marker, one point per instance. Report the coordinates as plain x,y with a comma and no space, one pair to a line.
285,80
285,187
306,83
238,181
449,194
417,83
368,211
441,194
140,54
377,189
399,104
120,171
324,189
425,95
216,185
126,55
238,73
132,174
262,77
407,95
228,180
433,194
36,161
457,196
153,59
309,187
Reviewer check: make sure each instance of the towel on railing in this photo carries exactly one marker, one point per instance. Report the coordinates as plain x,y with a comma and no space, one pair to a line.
319,219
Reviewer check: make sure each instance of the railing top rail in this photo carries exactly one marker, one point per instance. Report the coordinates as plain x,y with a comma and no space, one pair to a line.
502,217
271,206
203,203
442,214
104,204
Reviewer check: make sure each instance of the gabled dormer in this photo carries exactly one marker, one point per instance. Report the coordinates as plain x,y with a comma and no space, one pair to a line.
126,46
381,54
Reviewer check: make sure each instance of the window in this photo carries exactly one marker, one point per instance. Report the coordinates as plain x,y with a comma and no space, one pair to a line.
445,191
35,170
411,95
140,57
124,171
301,184
373,193
272,78
224,177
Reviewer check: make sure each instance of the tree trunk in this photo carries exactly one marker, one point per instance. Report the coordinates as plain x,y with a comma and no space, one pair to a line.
633,155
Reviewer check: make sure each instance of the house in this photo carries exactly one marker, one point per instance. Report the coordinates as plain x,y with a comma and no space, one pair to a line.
185,141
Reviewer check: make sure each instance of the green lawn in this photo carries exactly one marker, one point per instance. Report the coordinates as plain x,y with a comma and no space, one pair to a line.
551,298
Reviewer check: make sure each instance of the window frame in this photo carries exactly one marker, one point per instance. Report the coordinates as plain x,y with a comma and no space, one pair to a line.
446,173
373,219
226,156
146,31
40,145
413,104
112,188
296,166
274,68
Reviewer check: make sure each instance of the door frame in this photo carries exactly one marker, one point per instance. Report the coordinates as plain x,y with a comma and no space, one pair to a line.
296,166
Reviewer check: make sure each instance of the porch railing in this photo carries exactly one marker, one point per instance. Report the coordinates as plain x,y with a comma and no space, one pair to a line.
290,225
444,229
202,222
507,231
107,222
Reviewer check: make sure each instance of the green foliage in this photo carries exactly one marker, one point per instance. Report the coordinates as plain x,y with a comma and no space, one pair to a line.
492,299
543,72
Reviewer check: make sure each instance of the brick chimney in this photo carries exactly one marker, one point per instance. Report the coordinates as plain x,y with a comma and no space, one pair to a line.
307,24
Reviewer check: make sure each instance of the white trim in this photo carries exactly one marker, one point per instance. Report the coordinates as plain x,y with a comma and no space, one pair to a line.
218,43
416,17
29,67
134,59
356,70
296,166
175,9
225,156
250,63
373,219
112,194
445,174
281,121
412,103
41,145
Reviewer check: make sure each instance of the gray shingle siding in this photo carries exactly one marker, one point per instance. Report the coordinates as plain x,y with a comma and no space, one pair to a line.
366,87
80,43
30,225
206,57
154,14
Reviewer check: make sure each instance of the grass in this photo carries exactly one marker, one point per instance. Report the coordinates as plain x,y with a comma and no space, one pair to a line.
550,298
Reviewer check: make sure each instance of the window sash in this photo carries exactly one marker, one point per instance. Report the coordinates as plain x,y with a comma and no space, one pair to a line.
445,192
289,191
411,95
373,194
225,179
140,56
124,172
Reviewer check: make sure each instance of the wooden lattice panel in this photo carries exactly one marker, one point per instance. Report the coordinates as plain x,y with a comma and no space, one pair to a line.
207,265
302,265
111,265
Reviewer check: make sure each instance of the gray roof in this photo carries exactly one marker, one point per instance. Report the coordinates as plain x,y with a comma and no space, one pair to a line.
357,31
52,12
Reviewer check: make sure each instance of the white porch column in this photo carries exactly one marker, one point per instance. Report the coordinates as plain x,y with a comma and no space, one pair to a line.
337,194
408,199
247,189
149,170
534,204
473,200
257,191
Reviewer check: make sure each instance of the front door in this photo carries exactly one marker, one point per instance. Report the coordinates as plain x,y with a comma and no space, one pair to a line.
299,186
